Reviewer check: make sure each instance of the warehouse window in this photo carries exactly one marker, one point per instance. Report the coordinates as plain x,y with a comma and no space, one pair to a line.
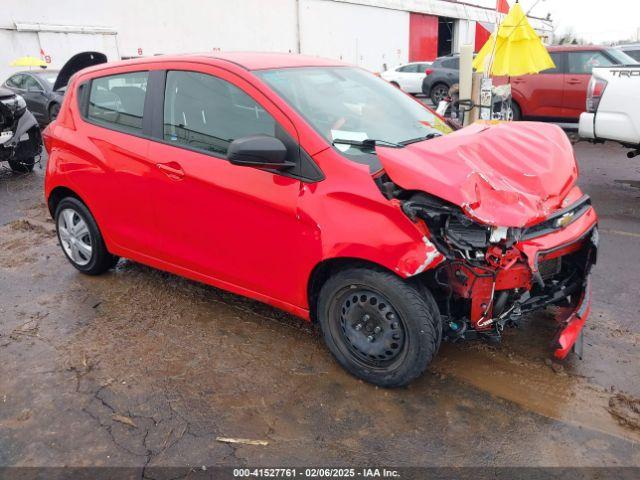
207,113
117,101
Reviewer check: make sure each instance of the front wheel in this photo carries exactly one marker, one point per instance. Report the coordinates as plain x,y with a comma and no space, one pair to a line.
24,165
80,238
380,328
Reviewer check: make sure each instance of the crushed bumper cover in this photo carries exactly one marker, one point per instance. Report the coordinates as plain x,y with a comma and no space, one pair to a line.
571,323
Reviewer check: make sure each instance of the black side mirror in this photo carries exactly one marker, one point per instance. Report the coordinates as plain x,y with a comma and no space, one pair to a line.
259,151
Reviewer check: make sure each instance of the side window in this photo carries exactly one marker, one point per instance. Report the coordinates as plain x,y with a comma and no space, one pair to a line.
409,68
117,101
31,84
453,63
558,59
583,62
17,81
208,113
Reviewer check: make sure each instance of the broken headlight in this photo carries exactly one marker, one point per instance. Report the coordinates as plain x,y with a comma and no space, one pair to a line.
15,104
465,234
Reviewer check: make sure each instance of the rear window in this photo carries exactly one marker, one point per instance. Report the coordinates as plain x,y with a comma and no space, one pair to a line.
117,101
451,63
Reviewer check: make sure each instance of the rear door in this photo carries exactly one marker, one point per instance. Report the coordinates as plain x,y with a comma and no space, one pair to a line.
541,95
115,177
579,67
407,76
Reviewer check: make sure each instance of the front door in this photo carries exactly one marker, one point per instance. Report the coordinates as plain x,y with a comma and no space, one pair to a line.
579,67
232,223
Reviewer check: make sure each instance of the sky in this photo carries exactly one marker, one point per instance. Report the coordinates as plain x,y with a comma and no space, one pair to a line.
595,21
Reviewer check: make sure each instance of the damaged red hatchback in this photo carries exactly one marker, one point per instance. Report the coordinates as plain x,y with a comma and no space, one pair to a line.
324,191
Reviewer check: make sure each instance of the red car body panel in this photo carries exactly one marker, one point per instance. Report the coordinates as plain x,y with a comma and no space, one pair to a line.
502,175
262,235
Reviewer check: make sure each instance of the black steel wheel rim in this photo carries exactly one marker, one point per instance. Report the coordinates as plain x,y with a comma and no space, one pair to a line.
440,93
369,328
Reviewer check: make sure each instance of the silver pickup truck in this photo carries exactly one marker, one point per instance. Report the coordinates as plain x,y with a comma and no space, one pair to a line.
613,107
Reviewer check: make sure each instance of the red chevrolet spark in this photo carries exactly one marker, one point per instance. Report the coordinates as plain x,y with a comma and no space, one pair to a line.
322,190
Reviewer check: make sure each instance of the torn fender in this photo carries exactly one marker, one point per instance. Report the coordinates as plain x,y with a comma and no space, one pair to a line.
511,175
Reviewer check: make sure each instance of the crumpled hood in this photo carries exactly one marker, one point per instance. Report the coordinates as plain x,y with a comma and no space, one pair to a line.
507,174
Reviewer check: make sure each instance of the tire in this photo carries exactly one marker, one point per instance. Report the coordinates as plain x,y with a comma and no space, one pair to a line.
22,166
396,84
380,328
438,93
517,113
95,260
54,110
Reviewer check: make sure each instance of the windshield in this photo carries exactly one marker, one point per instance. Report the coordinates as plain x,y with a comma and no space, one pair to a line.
621,57
346,103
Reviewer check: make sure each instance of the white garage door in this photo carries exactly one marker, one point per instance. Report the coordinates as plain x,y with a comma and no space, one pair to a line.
62,46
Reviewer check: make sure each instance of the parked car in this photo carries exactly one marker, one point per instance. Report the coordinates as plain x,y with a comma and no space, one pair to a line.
408,76
442,75
20,137
322,190
613,107
36,87
555,95
560,94
43,90
631,49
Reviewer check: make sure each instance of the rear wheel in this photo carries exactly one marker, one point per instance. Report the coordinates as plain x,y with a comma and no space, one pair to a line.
80,238
379,327
438,93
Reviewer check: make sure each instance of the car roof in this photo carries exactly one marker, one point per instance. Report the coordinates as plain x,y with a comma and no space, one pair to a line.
629,46
575,48
246,60
35,72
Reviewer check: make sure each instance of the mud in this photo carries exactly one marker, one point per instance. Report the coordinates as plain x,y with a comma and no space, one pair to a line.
142,368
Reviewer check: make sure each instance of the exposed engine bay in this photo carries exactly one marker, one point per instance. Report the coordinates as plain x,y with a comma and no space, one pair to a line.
485,280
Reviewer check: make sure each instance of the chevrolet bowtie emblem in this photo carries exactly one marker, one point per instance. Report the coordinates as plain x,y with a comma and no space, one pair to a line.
565,220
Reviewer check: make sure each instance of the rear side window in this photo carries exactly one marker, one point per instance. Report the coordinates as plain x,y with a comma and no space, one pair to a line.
558,60
583,62
409,68
207,113
117,101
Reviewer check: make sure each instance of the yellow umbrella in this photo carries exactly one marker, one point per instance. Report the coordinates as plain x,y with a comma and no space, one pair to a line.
28,62
514,49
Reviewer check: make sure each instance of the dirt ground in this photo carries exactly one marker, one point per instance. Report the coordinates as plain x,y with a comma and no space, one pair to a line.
142,368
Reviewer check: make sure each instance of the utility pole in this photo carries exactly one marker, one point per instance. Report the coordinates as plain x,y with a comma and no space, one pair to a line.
298,42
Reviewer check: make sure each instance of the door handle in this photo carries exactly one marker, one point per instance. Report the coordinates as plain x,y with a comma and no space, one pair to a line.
172,170
573,81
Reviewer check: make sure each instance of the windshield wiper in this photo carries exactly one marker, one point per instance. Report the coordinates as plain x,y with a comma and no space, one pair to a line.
366,143
428,136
